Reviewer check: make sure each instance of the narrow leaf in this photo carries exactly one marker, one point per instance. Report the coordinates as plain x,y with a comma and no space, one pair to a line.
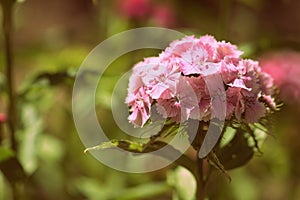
236,153
215,162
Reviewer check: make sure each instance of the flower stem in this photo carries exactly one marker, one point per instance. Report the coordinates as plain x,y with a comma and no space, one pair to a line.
200,192
7,9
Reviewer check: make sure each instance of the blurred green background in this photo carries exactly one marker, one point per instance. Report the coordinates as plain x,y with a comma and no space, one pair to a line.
51,40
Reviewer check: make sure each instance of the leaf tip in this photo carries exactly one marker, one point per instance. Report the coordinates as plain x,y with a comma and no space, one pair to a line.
86,150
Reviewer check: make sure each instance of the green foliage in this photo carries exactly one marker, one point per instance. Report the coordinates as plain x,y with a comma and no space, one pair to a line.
28,145
90,188
183,182
5,153
124,144
167,132
237,152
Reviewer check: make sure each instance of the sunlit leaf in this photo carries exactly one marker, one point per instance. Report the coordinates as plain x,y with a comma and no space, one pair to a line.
123,144
156,141
28,145
5,153
50,148
183,182
244,185
6,190
94,189
90,188
228,136
147,190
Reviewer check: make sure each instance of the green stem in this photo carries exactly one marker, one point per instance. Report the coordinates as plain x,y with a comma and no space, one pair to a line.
7,9
200,192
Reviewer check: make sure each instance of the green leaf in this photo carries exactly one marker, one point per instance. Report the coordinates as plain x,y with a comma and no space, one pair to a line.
166,134
91,188
123,144
228,136
236,153
215,162
28,146
55,78
3,188
142,191
136,147
94,189
155,142
183,182
5,153
49,148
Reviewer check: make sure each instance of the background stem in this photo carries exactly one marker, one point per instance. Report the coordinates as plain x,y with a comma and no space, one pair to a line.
7,9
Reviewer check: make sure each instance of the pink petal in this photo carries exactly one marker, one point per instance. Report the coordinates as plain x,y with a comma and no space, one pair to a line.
254,112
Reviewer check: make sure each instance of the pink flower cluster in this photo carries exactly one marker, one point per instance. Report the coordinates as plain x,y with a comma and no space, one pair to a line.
284,67
175,82
135,8
2,118
161,14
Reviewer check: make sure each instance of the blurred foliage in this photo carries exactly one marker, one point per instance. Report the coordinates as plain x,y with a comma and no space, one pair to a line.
51,40
183,182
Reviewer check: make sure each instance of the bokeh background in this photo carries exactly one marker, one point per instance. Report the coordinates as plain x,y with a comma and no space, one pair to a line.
51,38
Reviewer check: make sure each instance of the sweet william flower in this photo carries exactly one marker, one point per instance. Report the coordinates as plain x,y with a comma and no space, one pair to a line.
176,81
284,68
163,16
135,9
155,12
2,118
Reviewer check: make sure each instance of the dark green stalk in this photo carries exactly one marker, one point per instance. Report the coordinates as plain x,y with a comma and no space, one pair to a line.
7,12
7,9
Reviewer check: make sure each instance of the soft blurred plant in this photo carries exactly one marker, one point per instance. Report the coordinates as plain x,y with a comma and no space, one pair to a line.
284,67
142,11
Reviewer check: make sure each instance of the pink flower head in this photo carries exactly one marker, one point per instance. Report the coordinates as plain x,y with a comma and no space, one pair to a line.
2,118
135,8
163,16
177,83
284,68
